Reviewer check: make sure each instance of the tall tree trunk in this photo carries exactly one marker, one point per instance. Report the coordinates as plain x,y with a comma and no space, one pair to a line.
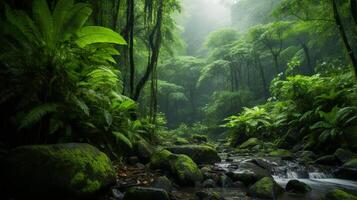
155,43
308,57
276,63
262,75
353,5
131,18
343,34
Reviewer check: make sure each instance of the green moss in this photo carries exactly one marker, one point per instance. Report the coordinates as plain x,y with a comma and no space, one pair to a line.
265,188
281,153
181,141
251,142
351,163
186,170
338,194
201,154
160,159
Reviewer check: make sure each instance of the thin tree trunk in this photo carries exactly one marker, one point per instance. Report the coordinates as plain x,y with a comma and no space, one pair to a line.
344,36
276,63
262,75
308,58
353,4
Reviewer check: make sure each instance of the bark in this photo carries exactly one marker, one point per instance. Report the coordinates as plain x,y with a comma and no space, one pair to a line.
262,75
308,57
343,34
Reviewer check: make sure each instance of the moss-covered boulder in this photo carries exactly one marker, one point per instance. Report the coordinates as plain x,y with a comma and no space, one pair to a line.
160,159
251,142
199,139
347,170
162,182
146,193
344,155
249,173
144,150
181,141
327,160
185,170
71,169
338,194
283,153
296,186
201,154
266,188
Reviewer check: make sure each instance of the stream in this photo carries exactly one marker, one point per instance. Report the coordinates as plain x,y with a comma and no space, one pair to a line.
320,179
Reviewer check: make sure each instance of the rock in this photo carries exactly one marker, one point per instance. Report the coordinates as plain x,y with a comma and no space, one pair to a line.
160,159
209,183
117,194
185,170
343,155
265,164
181,141
146,193
199,139
327,160
73,169
308,155
265,188
164,183
283,153
132,160
144,151
238,184
296,186
201,154
338,194
249,173
224,181
251,142
348,170
204,195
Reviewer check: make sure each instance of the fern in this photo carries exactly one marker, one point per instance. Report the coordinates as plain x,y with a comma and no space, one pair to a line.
36,114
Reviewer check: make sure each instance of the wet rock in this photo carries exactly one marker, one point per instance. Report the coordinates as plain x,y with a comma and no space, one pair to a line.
251,142
348,170
249,173
209,183
327,160
343,155
265,188
199,139
116,194
146,193
224,181
62,169
201,154
338,194
283,153
238,184
265,164
164,183
185,170
204,195
296,186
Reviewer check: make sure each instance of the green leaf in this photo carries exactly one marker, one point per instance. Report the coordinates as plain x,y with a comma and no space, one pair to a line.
123,139
96,34
43,19
36,114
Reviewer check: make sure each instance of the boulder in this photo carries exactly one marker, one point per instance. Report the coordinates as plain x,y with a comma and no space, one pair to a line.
327,160
199,139
224,181
249,173
265,188
283,153
181,141
338,194
251,142
209,183
185,170
205,195
160,159
343,155
347,170
201,154
296,186
164,183
146,193
72,169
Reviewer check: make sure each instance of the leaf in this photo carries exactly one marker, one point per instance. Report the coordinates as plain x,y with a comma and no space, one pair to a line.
43,19
96,34
36,114
123,139
108,117
77,18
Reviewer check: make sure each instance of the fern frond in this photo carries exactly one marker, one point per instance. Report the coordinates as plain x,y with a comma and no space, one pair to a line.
36,114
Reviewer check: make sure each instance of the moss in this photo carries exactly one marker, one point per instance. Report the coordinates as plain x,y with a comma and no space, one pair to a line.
338,194
265,188
201,154
199,138
251,142
351,163
281,153
160,159
73,168
186,170
181,141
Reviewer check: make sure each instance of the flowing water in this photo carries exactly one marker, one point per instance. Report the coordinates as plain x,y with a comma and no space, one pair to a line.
319,179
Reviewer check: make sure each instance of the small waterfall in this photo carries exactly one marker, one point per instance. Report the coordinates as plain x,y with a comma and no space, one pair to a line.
319,175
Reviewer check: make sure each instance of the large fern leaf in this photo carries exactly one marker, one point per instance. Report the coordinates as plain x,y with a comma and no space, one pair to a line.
36,114
97,34
43,18
60,16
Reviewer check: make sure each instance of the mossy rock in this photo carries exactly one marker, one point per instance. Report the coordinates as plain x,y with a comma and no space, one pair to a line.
160,159
185,169
249,173
266,188
72,169
351,163
283,153
146,193
296,186
338,194
251,142
327,160
347,170
343,155
201,154
144,151
181,141
199,139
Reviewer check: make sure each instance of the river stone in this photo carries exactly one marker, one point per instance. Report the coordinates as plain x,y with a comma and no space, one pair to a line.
185,170
209,183
160,159
296,186
224,181
249,173
251,142
348,170
338,194
72,169
327,160
164,183
266,188
343,155
146,193
201,154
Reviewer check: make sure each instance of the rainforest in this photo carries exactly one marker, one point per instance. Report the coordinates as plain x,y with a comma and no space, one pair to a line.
178,99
